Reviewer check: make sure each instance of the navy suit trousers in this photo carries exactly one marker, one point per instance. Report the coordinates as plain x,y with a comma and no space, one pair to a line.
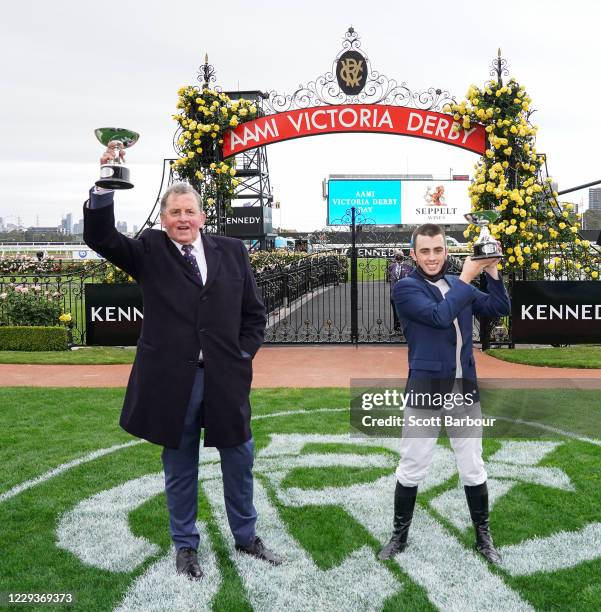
181,480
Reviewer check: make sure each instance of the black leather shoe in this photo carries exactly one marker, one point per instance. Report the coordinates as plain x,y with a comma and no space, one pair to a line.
404,504
186,563
477,501
258,549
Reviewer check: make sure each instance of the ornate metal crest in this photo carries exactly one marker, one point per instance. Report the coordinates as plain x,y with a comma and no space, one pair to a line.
351,72
353,81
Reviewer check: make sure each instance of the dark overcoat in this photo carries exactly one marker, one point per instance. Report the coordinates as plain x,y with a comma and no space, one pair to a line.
181,316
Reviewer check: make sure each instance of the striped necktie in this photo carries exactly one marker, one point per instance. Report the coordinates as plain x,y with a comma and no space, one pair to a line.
189,257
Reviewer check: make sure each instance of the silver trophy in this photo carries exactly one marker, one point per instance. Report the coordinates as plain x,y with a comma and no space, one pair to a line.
486,247
114,174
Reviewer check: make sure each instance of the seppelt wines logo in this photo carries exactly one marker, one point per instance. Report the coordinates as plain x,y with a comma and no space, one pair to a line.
437,209
435,197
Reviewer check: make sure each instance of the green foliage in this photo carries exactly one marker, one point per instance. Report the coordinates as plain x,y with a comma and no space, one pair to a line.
538,233
33,338
204,117
29,305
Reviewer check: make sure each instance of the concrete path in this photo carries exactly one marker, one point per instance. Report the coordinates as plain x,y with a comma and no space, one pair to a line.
299,366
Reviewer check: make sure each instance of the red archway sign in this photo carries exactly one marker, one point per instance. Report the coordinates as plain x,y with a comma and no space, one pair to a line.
374,118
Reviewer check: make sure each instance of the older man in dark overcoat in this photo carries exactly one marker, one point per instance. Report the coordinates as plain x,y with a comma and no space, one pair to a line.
203,324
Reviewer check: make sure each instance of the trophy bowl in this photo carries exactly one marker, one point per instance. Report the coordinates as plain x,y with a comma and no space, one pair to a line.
486,247
114,174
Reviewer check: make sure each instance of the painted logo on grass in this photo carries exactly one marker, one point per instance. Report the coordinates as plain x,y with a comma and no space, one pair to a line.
97,531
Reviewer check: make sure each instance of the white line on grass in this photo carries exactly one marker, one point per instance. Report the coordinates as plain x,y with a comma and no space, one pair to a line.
359,583
160,588
101,452
64,467
562,432
106,451
97,530
518,463
454,578
452,504
556,552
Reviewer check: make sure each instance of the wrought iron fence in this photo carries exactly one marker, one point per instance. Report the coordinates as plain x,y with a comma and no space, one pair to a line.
310,300
288,291
66,288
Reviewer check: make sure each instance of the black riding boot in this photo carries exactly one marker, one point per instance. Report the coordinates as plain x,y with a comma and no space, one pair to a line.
404,503
477,501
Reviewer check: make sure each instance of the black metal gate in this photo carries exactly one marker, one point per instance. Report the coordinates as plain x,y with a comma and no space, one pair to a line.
341,294
332,298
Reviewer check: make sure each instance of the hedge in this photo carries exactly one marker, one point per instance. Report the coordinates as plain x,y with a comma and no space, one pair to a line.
33,338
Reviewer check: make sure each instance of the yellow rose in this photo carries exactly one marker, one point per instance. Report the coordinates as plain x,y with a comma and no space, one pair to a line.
594,274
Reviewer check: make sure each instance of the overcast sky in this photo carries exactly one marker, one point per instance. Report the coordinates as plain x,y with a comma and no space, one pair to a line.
68,67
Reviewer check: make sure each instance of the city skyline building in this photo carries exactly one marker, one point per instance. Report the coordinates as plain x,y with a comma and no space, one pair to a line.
594,198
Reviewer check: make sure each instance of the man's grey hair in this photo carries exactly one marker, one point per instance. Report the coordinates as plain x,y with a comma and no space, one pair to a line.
179,189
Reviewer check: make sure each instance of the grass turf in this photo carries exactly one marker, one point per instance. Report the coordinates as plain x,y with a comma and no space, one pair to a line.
553,357
561,357
93,355
40,428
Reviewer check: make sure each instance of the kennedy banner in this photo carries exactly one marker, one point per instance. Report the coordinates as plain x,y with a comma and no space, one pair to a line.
353,118
248,221
113,314
556,312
